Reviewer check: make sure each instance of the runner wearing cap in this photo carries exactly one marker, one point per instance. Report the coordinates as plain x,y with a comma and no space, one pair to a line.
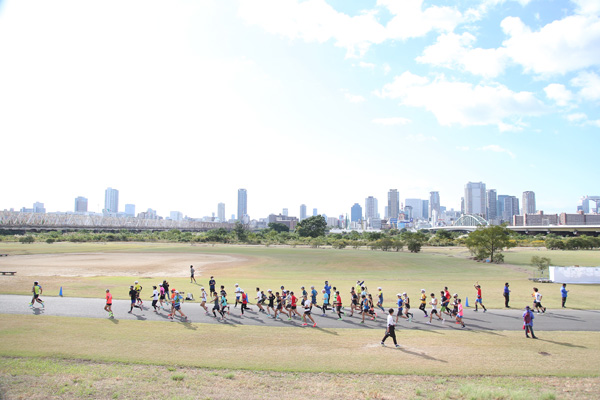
238,295
423,302
177,300
138,290
407,307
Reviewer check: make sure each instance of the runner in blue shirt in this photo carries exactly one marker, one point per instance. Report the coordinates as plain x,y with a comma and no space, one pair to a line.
177,299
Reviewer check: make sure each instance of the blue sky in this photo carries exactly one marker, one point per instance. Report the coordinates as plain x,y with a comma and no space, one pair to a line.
179,104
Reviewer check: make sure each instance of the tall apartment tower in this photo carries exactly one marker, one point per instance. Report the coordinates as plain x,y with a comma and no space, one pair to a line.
81,204
528,203
130,210
393,203
221,212
302,212
242,204
315,212
434,203
371,208
111,200
511,207
492,204
356,213
39,208
475,199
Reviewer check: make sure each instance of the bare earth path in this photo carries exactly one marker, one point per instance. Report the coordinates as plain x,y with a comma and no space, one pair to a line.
493,320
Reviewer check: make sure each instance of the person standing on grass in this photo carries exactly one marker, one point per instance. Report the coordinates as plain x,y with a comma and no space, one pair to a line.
37,292
563,294
307,310
211,285
390,330
407,307
537,301
528,322
155,295
423,302
459,313
479,300
338,304
204,298
506,294
161,298
177,300
108,306
434,311
133,294
192,271
166,287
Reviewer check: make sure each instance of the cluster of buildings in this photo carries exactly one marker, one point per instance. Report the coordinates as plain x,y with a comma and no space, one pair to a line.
412,213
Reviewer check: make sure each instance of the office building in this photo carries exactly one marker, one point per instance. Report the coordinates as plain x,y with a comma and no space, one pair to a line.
81,204
371,208
414,208
385,212
500,205
176,216
221,212
315,212
356,213
111,201
39,208
130,210
242,208
492,204
425,209
393,203
528,203
434,204
511,207
290,222
475,199
302,212
285,212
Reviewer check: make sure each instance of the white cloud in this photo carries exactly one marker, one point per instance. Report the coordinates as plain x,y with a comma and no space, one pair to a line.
391,121
562,46
577,117
463,103
353,98
367,65
317,21
497,149
559,93
587,7
386,68
589,82
452,50
595,123
462,148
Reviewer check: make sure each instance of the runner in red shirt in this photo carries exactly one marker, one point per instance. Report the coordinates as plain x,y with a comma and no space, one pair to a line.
338,304
108,306
479,299
293,308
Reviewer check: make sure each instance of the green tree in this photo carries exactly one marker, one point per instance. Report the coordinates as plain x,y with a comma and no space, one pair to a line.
314,226
488,242
27,239
278,227
541,263
241,233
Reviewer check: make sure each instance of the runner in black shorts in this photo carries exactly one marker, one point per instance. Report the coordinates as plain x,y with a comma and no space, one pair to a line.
279,307
271,302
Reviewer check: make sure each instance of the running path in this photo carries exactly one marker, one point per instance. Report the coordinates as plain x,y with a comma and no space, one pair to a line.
493,320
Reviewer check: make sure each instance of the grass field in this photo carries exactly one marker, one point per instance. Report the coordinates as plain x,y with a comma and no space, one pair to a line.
272,267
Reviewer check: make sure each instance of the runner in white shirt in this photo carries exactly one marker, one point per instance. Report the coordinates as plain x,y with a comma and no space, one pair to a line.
390,330
537,301
155,294
307,309
204,298
434,303
260,300
238,295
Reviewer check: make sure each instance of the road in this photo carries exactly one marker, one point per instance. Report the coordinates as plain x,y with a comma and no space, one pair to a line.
492,320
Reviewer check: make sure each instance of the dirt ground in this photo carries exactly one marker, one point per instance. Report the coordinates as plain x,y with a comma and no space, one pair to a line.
114,264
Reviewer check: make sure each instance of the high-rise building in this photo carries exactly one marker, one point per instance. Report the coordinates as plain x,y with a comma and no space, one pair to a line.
356,213
302,212
528,202
242,204
315,213
475,199
416,208
81,204
285,212
221,212
386,212
511,207
111,200
434,203
500,205
393,203
371,208
130,210
39,208
425,209
492,204
176,215
462,205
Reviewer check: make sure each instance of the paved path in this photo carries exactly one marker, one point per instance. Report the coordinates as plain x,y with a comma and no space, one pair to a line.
493,320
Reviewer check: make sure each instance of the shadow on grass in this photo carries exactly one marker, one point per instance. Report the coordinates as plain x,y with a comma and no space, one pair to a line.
325,330
188,325
114,320
422,355
562,343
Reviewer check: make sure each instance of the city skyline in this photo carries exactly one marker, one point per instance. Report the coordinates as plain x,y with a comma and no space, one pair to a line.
321,106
